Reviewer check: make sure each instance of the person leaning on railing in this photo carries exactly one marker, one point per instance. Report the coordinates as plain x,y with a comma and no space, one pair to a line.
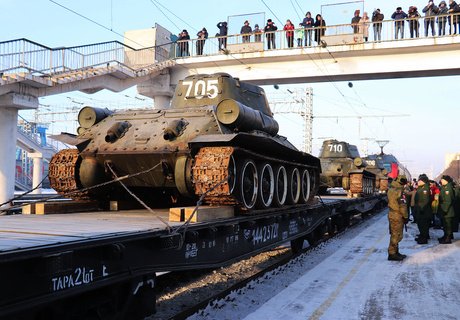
430,12
377,18
320,28
414,23
269,30
442,18
454,21
399,16
246,31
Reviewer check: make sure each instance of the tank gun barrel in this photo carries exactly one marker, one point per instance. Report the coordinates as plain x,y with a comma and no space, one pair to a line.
240,117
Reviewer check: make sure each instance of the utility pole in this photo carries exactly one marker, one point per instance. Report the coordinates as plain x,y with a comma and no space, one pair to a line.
297,101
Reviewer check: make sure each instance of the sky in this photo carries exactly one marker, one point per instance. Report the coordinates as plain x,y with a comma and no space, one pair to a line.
419,140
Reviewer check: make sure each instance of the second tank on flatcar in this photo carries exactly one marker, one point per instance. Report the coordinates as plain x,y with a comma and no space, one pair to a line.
342,167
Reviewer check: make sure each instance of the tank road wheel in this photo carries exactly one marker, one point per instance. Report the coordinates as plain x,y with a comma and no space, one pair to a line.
248,184
281,186
294,186
266,186
231,180
305,186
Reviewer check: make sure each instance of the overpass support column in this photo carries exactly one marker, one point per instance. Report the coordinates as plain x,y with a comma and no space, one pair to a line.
37,172
9,105
158,88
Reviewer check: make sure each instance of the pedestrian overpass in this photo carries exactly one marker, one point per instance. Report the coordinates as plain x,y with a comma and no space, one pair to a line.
30,70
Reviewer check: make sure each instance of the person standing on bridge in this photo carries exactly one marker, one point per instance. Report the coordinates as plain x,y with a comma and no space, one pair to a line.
430,12
355,21
308,23
320,28
442,19
299,34
414,23
202,36
289,29
364,26
377,18
257,33
454,21
269,30
397,217
222,35
423,209
183,40
399,15
446,207
246,31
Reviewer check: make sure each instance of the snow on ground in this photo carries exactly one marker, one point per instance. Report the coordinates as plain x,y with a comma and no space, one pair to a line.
349,277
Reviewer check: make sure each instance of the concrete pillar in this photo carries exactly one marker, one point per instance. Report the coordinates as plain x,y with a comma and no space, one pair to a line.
37,173
8,136
9,105
158,88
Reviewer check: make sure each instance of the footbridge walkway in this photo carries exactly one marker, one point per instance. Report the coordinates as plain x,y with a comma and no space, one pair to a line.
29,70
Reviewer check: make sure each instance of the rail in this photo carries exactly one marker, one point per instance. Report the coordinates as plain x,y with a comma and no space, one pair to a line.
22,56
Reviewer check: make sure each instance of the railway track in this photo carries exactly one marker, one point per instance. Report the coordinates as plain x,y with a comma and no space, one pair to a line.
194,291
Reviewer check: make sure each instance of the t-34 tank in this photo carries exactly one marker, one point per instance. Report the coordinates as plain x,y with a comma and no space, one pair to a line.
342,166
218,141
375,165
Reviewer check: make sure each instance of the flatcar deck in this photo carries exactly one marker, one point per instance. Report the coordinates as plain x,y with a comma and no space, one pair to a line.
28,231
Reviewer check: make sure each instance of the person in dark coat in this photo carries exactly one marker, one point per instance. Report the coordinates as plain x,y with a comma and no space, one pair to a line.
269,30
414,24
430,12
442,19
355,21
222,35
320,28
399,15
454,21
182,41
308,23
246,31
377,18
202,36
257,33
446,207
423,209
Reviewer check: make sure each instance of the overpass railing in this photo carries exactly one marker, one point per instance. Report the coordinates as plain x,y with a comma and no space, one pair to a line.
25,56
333,35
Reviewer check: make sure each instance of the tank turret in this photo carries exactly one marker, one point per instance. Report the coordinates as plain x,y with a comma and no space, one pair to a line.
343,167
218,141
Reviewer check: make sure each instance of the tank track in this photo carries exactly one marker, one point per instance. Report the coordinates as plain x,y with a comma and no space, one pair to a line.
362,183
217,173
63,173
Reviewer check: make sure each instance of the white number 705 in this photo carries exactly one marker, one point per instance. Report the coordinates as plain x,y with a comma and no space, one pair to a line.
201,89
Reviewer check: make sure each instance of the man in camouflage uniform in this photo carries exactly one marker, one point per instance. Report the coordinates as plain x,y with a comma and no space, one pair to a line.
397,216
423,208
446,207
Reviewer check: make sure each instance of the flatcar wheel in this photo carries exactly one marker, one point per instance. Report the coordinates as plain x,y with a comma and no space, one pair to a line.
266,186
281,186
294,186
248,184
305,186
